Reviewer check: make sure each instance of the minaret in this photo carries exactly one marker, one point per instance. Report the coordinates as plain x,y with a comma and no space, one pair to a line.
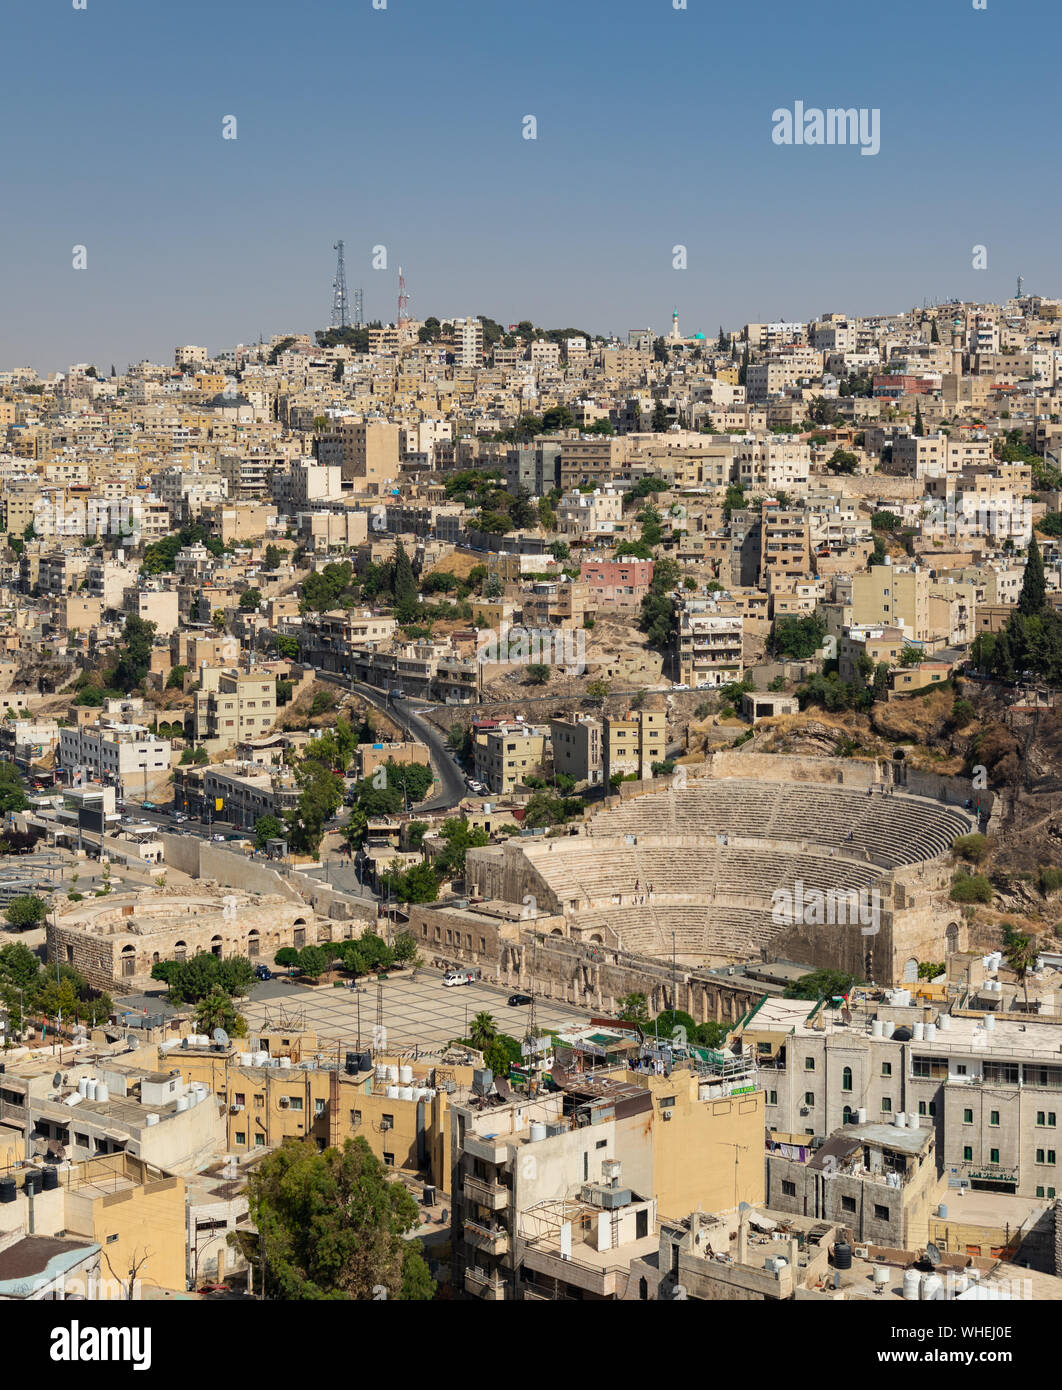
675,335
956,346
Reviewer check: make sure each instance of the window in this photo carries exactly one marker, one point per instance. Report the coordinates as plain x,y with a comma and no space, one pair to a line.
667,1102
1039,1192
112,1239
772,1097
318,1107
601,1144
886,1104
809,1097
993,1117
240,1136
1045,1118
846,1079
259,1141
886,1068
389,1160
848,1204
788,1189
967,1117
809,1063
295,1102
993,1155
880,1213
239,1098
967,1154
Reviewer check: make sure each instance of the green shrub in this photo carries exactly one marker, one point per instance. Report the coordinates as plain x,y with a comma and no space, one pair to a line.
971,888
972,848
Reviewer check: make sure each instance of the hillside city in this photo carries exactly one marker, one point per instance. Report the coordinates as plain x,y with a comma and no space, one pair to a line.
504,813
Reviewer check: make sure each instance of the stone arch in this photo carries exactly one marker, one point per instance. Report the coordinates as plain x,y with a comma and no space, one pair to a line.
597,939
128,960
215,945
180,950
556,932
253,943
910,971
849,1116
951,937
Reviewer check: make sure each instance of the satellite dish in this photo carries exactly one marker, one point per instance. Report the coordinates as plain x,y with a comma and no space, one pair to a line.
221,1037
933,1254
57,1079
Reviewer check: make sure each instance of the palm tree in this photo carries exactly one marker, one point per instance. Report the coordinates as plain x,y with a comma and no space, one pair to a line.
483,1031
1021,952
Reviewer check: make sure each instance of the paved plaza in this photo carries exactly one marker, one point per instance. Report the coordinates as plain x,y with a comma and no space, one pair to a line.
419,1013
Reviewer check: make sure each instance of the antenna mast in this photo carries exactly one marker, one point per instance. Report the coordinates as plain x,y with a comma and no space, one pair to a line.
403,301
340,317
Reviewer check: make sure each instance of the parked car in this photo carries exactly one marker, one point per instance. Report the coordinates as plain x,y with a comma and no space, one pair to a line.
263,972
515,999
455,978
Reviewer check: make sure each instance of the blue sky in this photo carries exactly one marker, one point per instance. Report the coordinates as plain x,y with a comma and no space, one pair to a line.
403,127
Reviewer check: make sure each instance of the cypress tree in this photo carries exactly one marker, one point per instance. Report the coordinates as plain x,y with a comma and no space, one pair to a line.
919,427
1033,588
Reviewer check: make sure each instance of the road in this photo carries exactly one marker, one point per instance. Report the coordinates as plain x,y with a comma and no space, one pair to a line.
452,788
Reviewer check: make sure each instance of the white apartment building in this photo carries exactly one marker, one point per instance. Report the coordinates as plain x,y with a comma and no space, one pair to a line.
709,645
124,755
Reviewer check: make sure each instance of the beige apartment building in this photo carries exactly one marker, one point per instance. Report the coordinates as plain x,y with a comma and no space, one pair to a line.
632,743
895,597
367,451
505,755
709,644
577,748
232,705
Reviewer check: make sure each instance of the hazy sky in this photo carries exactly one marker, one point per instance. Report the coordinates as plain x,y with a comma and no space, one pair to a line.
403,127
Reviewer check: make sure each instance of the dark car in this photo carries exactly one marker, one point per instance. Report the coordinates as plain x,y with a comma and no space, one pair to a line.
263,972
515,999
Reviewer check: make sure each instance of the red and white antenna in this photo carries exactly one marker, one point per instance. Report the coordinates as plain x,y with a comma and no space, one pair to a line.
403,300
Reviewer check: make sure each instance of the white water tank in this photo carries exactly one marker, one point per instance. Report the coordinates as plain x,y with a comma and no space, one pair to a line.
945,1023
261,1059
990,1023
931,1032
919,1032
90,1089
538,1132
890,1028
877,1029
151,1119
942,1212
912,1284
901,1120
912,1120
82,1087
182,1103
381,1072
881,1274
932,1288
285,1064
406,1093
861,1116
405,1075
392,1093
246,1059
102,1092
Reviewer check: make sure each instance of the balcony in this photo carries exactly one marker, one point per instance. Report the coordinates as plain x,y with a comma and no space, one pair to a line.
491,1240
483,1285
490,1147
486,1194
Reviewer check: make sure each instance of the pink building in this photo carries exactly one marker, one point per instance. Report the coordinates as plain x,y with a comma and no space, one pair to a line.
617,581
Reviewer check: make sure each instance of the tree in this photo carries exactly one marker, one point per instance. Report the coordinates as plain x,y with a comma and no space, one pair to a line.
538,674
919,427
134,658
333,1226
818,984
842,461
25,911
272,557
1033,594
1021,952
313,961
403,584
482,1031
267,828
12,795
799,638
634,1008
659,422
250,600
216,1010
320,797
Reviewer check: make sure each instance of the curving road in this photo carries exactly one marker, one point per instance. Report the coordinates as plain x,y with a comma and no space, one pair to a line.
452,783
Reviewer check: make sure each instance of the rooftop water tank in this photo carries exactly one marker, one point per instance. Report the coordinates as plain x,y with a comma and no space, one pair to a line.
82,1087
50,1178
405,1093
842,1255
392,1073
8,1190
538,1132
919,1032
990,1023
182,1103
90,1089
151,1119
901,1120
881,1274
102,1091
877,1029
246,1059
861,1116
912,1284
405,1075
285,1063
931,1032
392,1093
942,1212
381,1072
932,1288
261,1059
32,1181
945,1023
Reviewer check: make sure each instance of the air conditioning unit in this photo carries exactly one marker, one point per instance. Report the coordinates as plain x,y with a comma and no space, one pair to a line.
667,1114
805,1110
284,1102
235,1109
386,1124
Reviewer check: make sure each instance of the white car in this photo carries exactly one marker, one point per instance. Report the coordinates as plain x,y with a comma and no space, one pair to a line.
458,978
